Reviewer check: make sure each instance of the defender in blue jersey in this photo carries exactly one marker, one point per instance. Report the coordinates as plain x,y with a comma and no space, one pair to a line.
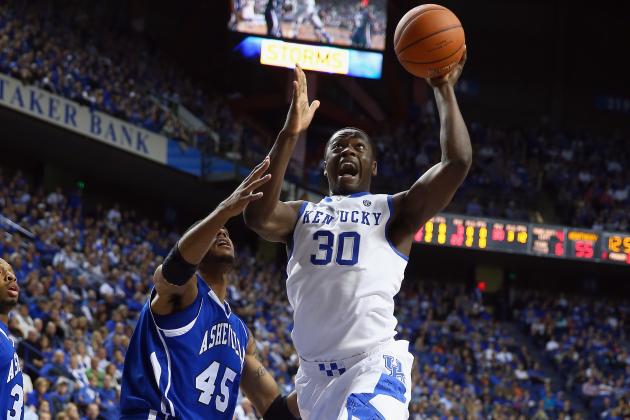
189,353
11,389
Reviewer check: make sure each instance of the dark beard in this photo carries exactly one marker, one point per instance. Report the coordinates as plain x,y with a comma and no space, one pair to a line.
212,261
7,306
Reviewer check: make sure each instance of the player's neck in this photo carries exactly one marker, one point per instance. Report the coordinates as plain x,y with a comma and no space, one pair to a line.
217,281
347,193
4,317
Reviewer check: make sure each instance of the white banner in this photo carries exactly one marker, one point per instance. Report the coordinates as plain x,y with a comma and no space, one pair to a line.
80,119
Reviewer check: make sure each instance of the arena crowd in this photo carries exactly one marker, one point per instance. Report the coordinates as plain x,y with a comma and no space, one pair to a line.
86,273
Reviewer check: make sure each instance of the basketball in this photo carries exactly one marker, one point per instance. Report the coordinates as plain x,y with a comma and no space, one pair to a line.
429,40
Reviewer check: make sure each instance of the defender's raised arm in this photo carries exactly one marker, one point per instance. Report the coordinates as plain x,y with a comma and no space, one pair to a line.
269,217
173,277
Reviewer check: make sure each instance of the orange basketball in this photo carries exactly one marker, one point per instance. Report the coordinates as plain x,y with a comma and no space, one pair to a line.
429,40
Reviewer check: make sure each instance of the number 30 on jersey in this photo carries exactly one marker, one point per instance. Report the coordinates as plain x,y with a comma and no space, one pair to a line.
346,243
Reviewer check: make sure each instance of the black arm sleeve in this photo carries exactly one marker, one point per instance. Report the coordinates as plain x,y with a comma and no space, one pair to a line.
175,269
279,410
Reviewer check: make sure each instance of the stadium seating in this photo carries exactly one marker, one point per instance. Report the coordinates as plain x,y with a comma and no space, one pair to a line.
72,338
586,340
86,272
514,170
110,70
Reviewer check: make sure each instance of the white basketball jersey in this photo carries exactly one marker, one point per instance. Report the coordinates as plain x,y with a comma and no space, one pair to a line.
343,274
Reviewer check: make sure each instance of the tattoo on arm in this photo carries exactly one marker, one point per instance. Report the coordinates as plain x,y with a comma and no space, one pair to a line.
260,372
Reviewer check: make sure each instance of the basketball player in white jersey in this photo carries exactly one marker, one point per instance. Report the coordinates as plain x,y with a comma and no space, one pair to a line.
347,257
306,10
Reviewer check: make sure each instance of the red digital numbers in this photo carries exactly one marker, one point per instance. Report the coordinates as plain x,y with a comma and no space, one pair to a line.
457,238
584,249
533,239
498,234
418,236
559,249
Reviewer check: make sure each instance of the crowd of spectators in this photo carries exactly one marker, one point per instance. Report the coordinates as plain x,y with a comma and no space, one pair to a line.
83,277
517,173
85,274
112,70
468,365
586,339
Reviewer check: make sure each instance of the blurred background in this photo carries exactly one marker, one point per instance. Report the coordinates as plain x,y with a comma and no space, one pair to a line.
125,121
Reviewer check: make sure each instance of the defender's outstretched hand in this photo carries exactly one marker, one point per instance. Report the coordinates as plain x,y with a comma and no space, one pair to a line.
452,76
300,113
244,194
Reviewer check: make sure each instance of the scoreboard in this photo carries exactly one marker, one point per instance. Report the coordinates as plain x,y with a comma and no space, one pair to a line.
525,238
466,232
615,247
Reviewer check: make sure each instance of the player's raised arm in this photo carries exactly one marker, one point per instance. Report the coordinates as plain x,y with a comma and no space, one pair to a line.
262,390
435,189
173,277
269,217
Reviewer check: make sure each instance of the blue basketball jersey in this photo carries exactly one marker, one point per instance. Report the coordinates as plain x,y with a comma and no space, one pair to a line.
11,389
186,365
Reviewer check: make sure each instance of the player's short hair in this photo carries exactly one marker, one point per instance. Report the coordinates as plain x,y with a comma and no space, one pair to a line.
352,132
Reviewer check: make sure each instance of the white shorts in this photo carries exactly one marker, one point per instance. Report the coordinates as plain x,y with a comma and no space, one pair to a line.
371,386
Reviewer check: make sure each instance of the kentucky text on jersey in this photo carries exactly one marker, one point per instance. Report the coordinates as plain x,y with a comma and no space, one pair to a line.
354,216
222,334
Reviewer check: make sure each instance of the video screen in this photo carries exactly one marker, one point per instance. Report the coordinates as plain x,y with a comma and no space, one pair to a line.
346,23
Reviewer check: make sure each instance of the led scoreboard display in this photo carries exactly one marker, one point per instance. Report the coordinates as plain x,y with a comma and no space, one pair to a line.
512,237
477,233
548,241
582,244
525,238
615,247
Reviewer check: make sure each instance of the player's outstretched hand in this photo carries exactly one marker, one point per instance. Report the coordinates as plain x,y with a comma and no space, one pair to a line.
300,113
244,194
452,76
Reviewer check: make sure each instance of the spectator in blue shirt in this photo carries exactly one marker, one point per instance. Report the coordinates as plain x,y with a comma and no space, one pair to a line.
40,393
55,368
60,397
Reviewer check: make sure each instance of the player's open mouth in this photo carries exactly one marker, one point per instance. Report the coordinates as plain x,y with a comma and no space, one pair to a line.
223,243
13,290
348,170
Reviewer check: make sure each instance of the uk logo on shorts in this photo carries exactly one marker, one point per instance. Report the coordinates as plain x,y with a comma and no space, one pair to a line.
394,367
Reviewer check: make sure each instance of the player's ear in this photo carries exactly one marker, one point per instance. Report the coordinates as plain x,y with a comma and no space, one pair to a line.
324,168
374,168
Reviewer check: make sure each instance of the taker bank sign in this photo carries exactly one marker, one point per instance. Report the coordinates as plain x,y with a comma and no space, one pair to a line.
80,119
